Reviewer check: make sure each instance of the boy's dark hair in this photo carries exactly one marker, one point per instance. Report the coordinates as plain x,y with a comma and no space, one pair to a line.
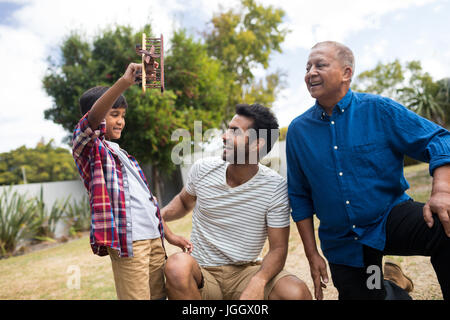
263,118
89,97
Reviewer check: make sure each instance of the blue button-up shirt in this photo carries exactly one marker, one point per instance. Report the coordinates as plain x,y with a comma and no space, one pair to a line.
347,168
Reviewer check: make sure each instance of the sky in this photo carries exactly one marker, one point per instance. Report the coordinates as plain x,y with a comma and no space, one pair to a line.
376,31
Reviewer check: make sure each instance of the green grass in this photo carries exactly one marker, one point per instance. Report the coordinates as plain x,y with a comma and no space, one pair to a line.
44,274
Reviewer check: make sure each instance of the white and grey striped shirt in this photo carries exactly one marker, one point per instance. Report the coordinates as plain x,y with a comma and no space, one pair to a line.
229,225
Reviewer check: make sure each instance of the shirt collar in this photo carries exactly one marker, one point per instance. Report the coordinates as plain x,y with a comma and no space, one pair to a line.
345,101
343,104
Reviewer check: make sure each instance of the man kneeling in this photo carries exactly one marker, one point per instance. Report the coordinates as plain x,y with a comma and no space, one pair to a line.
237,204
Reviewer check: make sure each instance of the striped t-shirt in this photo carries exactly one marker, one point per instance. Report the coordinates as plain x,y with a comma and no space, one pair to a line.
229,225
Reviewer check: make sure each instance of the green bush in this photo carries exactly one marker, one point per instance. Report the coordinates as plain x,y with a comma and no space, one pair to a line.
78,216
24,218
16,214
46,220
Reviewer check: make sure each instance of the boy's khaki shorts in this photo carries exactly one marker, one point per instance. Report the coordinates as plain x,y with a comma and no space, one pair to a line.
229,281
140,277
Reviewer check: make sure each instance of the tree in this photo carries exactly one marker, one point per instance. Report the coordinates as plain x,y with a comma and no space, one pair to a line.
194,82
202,83
384,79
443,97
244,39
407,84
41,164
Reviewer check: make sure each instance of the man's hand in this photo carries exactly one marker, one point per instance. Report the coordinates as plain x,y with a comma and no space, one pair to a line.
254,290
439,204
179,241
130,74
318,268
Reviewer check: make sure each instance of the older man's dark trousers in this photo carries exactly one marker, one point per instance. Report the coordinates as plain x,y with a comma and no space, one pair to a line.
406,235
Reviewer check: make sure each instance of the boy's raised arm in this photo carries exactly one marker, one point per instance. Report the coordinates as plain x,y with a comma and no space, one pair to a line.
106,101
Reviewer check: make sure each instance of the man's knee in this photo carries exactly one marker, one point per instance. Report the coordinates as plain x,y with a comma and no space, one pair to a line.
178,269
290,288
300,291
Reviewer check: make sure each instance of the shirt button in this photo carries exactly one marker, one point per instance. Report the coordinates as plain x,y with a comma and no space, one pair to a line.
332,122
341,174
347,202
356,238
342,110
128,224
353,226
335,147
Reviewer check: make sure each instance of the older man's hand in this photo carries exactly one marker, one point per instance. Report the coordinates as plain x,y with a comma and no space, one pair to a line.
438,204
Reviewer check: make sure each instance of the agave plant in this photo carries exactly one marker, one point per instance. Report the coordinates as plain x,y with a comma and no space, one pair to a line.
78,216
45,220
16,216
424,103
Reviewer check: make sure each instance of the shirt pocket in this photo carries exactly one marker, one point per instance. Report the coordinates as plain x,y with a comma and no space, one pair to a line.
368,159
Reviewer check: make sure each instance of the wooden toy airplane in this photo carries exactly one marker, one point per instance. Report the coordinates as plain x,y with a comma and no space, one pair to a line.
152,53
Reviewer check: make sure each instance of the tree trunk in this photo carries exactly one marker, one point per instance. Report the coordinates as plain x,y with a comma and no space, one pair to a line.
157,184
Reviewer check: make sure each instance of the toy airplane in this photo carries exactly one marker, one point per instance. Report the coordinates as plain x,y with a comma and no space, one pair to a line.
152,53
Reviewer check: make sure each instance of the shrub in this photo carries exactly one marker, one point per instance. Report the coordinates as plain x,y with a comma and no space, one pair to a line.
78,216
45,221
16,214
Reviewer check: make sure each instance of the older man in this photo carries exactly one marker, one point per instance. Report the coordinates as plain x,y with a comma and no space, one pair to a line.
345,164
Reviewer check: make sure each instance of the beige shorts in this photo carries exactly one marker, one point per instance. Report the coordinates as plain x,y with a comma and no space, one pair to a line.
229,281
140,277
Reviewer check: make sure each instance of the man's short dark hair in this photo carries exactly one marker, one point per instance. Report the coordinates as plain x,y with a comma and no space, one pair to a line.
88,99
263,118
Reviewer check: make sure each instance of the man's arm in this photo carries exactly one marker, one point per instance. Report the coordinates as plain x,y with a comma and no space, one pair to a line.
439,202
423,140
176,240
181,205
272,263
317,264
303,212
106,101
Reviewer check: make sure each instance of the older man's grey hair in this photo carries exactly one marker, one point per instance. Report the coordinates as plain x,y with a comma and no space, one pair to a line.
343,52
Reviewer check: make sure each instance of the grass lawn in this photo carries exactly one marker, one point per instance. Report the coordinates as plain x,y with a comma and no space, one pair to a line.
46,274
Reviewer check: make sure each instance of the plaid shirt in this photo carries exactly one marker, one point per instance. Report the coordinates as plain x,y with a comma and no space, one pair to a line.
101,172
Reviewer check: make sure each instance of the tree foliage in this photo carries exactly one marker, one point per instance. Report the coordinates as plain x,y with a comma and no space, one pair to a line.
204,78
244,39
41,164
409,85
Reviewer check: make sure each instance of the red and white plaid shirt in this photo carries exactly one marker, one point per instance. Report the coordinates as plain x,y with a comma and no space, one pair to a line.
101,172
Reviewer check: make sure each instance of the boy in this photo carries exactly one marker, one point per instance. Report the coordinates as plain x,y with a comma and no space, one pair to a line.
126,221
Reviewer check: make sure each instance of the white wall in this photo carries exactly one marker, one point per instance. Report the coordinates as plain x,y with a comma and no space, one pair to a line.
52,191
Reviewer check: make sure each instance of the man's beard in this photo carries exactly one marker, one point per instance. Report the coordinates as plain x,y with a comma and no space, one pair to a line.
237,155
